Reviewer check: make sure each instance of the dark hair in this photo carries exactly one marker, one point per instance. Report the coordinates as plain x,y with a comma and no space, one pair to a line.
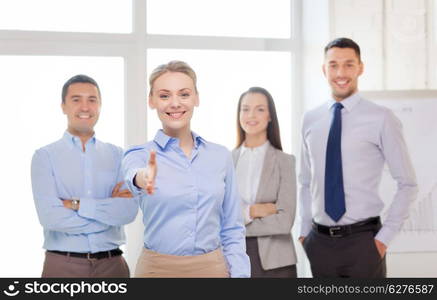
344,43
273,134
78,79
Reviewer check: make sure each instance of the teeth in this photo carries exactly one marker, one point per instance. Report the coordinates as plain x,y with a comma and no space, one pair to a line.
176,115
84,116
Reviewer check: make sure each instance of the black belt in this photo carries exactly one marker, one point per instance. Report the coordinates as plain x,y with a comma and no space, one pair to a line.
371,224
97,255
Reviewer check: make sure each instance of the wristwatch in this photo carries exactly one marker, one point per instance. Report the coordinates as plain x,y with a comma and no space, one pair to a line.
75,203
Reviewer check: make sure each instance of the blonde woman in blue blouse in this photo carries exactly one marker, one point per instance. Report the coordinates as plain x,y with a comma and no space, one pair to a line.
191,207
267,185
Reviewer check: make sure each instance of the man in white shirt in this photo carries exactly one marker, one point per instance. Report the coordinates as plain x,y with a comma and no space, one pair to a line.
345,144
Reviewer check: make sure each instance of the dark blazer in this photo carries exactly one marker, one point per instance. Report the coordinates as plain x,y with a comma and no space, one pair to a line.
277,185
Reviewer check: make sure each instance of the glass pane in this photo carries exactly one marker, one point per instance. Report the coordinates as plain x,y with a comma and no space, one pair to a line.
242,18
221,84
112,16
32,117
434,21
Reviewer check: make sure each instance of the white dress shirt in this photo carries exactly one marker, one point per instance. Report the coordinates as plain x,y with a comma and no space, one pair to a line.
371,136
248,170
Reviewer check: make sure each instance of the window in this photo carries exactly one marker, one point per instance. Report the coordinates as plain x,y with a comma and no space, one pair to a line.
242,18
67,15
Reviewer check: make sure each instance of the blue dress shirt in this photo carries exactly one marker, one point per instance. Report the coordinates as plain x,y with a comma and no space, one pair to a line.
62,170
371,137
195,208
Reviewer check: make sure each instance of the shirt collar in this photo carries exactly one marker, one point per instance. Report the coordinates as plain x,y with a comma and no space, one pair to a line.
348,103
197,140
163,140
259,149
73,140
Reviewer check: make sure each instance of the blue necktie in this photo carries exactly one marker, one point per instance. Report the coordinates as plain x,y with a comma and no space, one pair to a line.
334,192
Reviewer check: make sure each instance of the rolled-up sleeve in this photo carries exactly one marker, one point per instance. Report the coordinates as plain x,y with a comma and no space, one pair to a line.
51,212
115,211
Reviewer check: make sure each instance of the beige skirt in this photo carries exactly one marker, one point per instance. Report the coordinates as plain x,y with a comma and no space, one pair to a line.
153,264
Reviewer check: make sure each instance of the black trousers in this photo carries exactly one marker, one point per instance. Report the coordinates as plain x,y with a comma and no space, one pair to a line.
353,256
257,270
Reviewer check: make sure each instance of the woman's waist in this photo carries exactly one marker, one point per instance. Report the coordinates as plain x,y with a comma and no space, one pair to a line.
181,247
189,258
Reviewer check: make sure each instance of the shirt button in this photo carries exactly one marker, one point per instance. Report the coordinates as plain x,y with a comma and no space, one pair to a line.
89,192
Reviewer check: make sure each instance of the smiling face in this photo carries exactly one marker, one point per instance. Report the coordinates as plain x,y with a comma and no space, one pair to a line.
82,107
174,97
254,114
342,68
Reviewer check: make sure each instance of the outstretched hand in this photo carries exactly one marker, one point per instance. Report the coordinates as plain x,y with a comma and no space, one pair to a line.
145,178
152,170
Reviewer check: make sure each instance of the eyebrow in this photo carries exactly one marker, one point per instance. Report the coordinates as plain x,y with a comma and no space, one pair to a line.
347,61
168,91
79,96
259,105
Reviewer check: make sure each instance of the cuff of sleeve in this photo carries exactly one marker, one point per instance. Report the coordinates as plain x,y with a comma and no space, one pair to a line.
129,179
241,269
305,228
246,212
385,235
87,208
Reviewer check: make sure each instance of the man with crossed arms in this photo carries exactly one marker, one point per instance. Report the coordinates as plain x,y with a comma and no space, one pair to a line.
77,188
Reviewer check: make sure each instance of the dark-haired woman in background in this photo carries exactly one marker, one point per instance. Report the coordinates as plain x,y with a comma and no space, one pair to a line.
267,184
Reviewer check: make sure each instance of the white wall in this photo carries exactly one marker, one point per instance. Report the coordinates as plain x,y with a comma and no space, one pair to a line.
421,264
315,35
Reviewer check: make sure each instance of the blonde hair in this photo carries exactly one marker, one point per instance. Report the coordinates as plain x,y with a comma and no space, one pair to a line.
172,66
